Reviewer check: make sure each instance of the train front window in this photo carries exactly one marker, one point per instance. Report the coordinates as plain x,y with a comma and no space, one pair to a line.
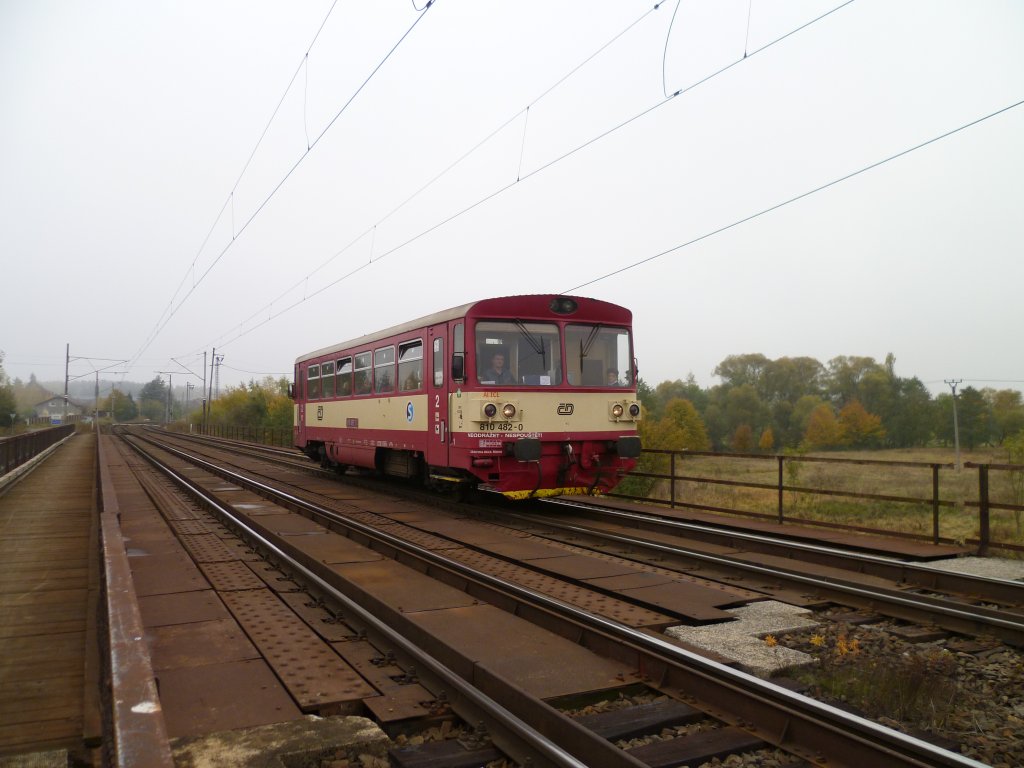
518,352
598,356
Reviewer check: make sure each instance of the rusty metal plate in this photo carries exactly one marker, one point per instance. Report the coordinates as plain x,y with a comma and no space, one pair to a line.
581,597
231,576
541,662
398,699
317,617
256,506
630,581
313,673
694,601
401,587
470,531
416,515
181,608
273,578
223,697
198,644
815,569
286,522
332,548
585,566
189,527
419,538
207,548
163,574
526,549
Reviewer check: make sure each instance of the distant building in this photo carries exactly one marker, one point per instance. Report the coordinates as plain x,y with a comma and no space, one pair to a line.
53,408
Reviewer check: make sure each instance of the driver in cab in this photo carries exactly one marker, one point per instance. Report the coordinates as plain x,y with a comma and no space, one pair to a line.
497,373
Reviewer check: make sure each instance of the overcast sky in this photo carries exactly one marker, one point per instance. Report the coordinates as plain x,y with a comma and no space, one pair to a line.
135,226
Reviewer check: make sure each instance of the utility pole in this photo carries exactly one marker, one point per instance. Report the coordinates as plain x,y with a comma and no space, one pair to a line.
189,386
209,400
204,393
953,383
67,363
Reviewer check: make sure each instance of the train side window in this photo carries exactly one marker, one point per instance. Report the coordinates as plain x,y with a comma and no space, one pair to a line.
384,369
344,377
363,385
438,362
313,379
410,365
327,379
458,353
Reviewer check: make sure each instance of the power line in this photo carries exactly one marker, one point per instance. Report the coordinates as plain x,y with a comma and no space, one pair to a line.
801,196
369,230
506,187
195,284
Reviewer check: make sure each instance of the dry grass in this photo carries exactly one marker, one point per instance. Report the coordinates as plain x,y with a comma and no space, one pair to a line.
912,485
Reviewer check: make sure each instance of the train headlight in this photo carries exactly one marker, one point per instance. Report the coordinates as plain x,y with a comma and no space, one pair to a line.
490,409
634,410
508,410
617,411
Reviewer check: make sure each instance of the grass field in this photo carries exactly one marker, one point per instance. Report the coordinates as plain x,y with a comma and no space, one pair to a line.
908,509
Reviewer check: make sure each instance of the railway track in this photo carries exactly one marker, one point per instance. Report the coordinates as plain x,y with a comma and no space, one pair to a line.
750,710
908,591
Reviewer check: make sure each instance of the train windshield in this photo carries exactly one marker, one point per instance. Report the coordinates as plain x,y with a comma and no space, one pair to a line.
598,356
517,352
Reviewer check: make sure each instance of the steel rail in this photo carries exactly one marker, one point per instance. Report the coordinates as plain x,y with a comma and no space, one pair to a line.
514,736
918,574
817,731
1008,627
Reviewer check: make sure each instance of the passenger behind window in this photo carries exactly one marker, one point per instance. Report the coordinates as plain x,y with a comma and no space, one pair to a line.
613,378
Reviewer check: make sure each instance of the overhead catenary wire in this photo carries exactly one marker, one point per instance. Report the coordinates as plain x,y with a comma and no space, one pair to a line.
166,318
801,196
371,230
227,338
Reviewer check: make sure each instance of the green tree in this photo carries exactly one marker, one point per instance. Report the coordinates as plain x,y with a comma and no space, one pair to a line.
1007,412
153,400
975,418
681,428
737,370
911,422
8,404
846,375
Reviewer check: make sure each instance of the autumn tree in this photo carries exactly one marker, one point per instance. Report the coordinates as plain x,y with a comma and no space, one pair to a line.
743,439
823,429
858,428
767,440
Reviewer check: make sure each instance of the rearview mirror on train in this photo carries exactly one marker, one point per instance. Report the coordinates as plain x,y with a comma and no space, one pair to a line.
458,366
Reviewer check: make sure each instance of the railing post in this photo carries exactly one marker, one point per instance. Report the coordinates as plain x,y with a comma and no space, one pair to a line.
672,482
781,459
983,521
935,503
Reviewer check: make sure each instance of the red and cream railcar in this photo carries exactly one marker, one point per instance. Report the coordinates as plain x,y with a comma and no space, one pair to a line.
524,395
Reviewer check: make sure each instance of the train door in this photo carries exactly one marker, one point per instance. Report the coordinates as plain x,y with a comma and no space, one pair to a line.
437,396
299,411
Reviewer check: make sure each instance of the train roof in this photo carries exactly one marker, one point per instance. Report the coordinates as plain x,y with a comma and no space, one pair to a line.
503,306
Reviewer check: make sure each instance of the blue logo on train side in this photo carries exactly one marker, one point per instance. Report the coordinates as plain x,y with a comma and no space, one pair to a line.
409,412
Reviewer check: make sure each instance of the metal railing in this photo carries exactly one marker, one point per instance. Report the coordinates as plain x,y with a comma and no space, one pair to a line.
264,435
15,451
775,492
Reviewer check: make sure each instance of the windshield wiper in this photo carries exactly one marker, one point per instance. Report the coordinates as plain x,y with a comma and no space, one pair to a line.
537,344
